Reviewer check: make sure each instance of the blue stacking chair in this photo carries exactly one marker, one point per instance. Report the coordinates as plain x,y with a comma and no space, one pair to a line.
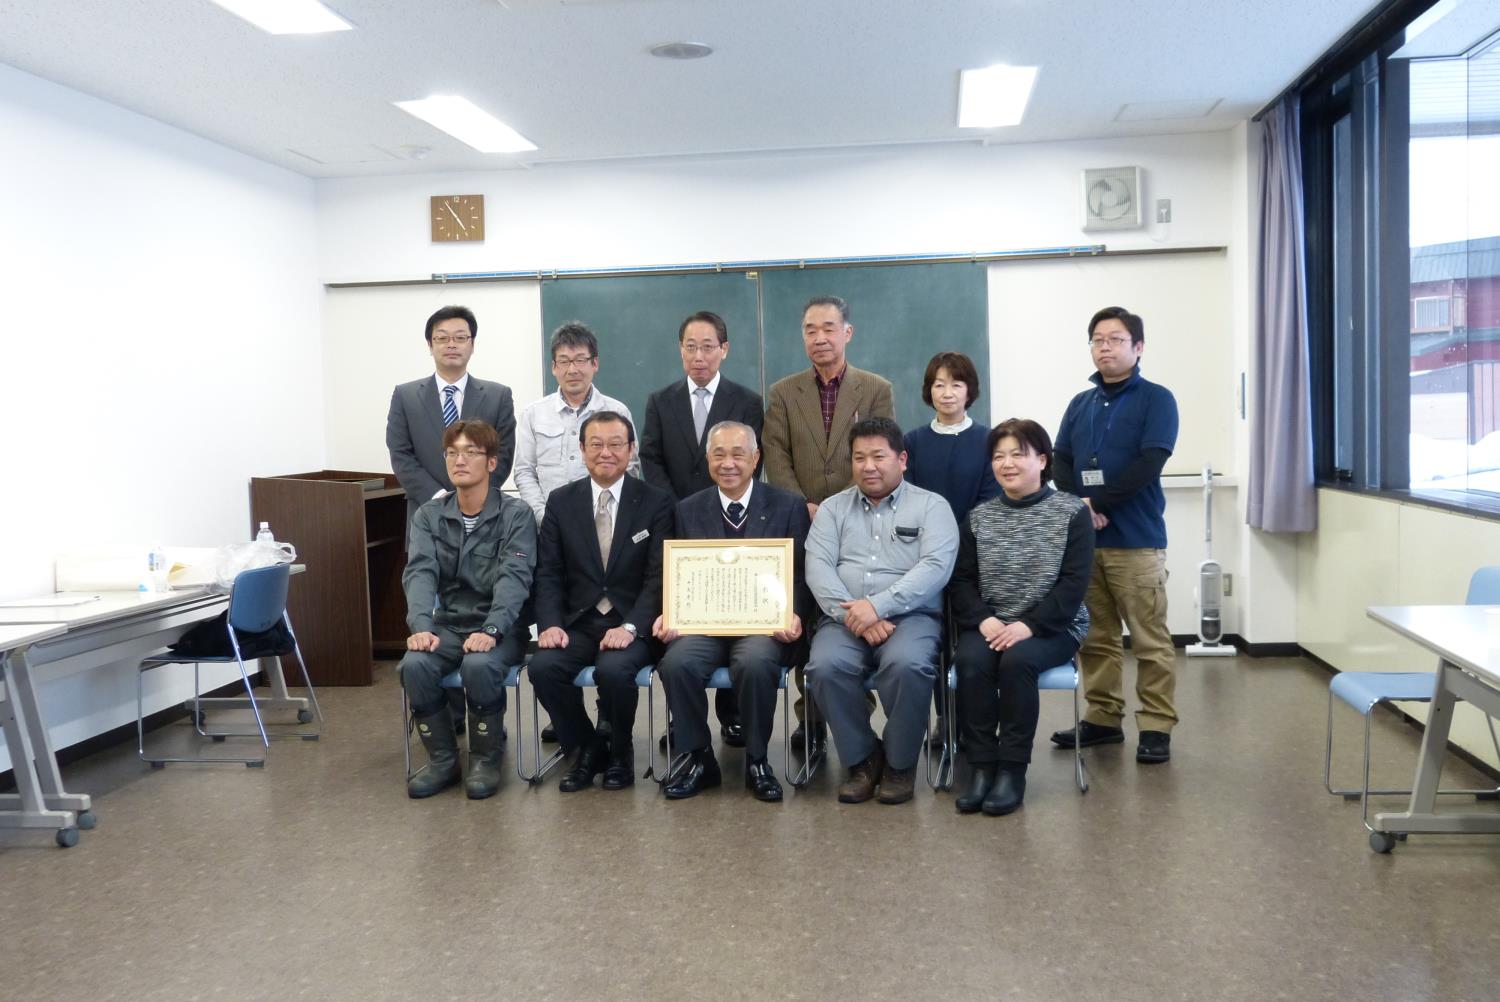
452,681
257,602
1063,678
812,760
1365,690
720,680
645,678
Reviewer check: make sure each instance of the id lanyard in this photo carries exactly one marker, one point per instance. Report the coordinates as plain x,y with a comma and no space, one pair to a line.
1093,476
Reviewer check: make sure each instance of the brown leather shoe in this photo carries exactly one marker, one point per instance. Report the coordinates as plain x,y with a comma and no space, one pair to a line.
863,778
897,785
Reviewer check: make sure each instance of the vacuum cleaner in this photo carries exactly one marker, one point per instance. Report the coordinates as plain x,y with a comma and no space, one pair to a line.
1210,590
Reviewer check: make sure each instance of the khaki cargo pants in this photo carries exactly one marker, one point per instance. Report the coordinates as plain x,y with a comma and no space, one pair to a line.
1129,586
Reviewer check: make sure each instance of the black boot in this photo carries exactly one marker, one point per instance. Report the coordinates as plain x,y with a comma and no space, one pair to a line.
441,742
981,780
486,745
1006,795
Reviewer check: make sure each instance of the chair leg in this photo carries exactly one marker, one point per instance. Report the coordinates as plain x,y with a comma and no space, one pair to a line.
1080,771
407,726
540,768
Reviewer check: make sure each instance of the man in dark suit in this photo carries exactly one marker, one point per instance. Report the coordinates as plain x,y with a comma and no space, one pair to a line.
598,592
736,507
421,409
678,417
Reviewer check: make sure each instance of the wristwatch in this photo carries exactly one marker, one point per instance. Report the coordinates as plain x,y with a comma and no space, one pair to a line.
492,631
631,628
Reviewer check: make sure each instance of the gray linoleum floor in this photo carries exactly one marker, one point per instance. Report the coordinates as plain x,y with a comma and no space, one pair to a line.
1227,874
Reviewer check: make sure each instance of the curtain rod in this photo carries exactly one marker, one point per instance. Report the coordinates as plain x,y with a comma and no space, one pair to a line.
790,264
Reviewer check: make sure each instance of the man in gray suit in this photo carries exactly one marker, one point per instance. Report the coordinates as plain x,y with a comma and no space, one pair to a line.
421,409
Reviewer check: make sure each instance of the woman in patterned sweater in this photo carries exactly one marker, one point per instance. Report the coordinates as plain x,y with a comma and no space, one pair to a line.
1017,592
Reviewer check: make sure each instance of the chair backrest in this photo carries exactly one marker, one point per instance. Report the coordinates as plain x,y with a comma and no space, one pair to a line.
1484,586
258,598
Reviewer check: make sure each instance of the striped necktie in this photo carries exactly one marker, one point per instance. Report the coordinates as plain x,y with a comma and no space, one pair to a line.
450,412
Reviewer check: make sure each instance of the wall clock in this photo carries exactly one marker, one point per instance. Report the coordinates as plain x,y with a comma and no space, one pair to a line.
457,217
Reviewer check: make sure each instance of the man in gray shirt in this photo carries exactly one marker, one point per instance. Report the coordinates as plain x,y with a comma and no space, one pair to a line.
878,557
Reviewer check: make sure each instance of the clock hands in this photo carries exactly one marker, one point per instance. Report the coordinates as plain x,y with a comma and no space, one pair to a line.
460,222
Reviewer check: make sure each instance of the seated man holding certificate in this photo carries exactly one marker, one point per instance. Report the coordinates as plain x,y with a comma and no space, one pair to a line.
598,591
736,507
468,580
878,557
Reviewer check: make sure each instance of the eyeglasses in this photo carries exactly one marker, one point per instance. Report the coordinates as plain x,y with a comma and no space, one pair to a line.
451,455
613,445
706,348
1113,342
581,362
444,340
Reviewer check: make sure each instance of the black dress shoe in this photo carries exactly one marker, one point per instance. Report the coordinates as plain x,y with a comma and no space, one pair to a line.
620,773
1088,735
761,781
981,781
670,735
1006,795
701,773
586,765
1155,746
733,733
549,735
819,737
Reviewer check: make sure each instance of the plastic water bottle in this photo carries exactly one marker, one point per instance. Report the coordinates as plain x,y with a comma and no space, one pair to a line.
264,535
156,571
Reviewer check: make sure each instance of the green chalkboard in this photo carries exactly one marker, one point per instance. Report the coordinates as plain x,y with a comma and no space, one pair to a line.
636,319
902,316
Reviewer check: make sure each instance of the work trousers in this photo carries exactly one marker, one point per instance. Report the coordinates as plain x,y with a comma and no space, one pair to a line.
997,689
755,671
1129,586
552,672
903,669
483,674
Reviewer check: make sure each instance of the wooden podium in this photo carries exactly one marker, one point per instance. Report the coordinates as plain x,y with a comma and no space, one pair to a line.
348,609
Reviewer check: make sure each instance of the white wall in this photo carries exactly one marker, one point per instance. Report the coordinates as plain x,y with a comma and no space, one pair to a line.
159,335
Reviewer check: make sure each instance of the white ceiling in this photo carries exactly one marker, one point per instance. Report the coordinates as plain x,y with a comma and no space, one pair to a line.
575,78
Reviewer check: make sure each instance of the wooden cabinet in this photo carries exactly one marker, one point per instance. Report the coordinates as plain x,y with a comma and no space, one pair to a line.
348,609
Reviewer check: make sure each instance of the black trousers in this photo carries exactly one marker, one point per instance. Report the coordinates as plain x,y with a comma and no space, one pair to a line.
754,669
552,672
997,689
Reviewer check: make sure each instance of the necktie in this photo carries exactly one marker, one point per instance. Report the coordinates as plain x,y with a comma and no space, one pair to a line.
700,411
736,513
450,411
605,529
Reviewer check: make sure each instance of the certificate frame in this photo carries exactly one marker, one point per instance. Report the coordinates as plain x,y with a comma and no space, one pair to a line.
701,578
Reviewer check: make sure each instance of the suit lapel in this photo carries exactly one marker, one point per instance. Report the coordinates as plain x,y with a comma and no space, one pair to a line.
473,398
585,504
812,412
680,410
432,406
624,518
758,521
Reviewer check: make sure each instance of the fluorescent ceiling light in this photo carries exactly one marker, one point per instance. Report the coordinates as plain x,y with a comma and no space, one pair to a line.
286,17
466,122
994,96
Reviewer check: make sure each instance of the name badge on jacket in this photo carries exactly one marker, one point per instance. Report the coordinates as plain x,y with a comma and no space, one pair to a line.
640,535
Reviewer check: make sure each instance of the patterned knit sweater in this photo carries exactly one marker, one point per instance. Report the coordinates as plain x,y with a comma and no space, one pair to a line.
1026,560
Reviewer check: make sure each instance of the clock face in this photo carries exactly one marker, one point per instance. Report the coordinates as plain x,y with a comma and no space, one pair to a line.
457,217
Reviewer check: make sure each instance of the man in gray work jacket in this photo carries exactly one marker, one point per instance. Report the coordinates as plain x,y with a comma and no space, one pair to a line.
469,565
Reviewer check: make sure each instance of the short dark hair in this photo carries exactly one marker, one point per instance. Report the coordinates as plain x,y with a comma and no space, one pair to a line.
878,427
453,313
833,301
479,432
1029,434
573,335
705,317
605,417
1134,324
959,366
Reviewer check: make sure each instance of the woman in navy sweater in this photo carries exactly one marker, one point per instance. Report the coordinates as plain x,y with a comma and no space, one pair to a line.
948,455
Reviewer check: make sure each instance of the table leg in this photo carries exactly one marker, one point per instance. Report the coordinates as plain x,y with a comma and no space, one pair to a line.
34,805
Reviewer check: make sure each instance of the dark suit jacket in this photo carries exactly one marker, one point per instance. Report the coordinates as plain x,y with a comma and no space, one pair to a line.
570,577
799,457
774,514
671,458
414,435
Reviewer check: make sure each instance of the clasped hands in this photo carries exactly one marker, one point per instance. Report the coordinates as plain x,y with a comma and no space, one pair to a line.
861,619
474,643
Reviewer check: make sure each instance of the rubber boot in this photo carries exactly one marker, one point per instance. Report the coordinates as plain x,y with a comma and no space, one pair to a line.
486,745
441,742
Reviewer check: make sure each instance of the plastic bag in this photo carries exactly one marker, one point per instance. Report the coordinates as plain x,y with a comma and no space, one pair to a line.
236,557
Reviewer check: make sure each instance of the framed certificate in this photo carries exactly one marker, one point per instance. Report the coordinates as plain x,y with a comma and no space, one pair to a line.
727,587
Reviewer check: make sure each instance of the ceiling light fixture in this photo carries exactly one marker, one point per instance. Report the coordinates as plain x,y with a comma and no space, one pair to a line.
286,17
681,50
994,96
468,123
